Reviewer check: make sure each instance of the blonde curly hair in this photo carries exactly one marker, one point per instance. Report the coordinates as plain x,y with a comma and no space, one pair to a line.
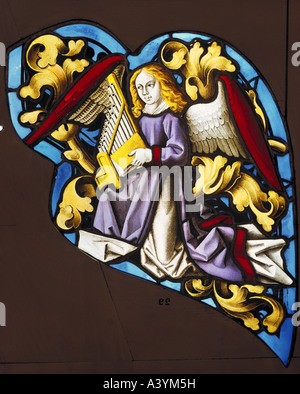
169,91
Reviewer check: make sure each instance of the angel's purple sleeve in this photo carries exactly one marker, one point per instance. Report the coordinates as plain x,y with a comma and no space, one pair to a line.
176,151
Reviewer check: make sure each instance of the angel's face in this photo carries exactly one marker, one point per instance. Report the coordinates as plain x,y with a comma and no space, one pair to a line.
148,88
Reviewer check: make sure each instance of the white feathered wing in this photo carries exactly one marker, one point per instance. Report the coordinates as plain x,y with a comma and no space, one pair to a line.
211,127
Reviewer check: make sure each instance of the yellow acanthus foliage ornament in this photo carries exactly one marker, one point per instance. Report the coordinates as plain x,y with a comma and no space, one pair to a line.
67,133
240,302
42,56
196,67
77,198
52,61
216,178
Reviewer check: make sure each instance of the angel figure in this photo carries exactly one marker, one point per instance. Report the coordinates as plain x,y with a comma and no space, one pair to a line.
171,241
169,167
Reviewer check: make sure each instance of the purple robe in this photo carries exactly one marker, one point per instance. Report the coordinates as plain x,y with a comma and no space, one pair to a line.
118,215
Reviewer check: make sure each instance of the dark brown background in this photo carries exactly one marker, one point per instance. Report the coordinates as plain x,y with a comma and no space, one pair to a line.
65,314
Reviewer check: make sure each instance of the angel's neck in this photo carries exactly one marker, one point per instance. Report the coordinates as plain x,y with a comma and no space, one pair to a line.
156,108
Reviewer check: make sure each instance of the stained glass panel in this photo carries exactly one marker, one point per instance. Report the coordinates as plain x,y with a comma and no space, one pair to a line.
182,100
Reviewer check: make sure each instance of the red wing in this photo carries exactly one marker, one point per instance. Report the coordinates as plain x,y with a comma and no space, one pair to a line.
80,90
251,132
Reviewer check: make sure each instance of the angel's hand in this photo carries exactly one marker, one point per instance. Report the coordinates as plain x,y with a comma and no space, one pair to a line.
141,156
